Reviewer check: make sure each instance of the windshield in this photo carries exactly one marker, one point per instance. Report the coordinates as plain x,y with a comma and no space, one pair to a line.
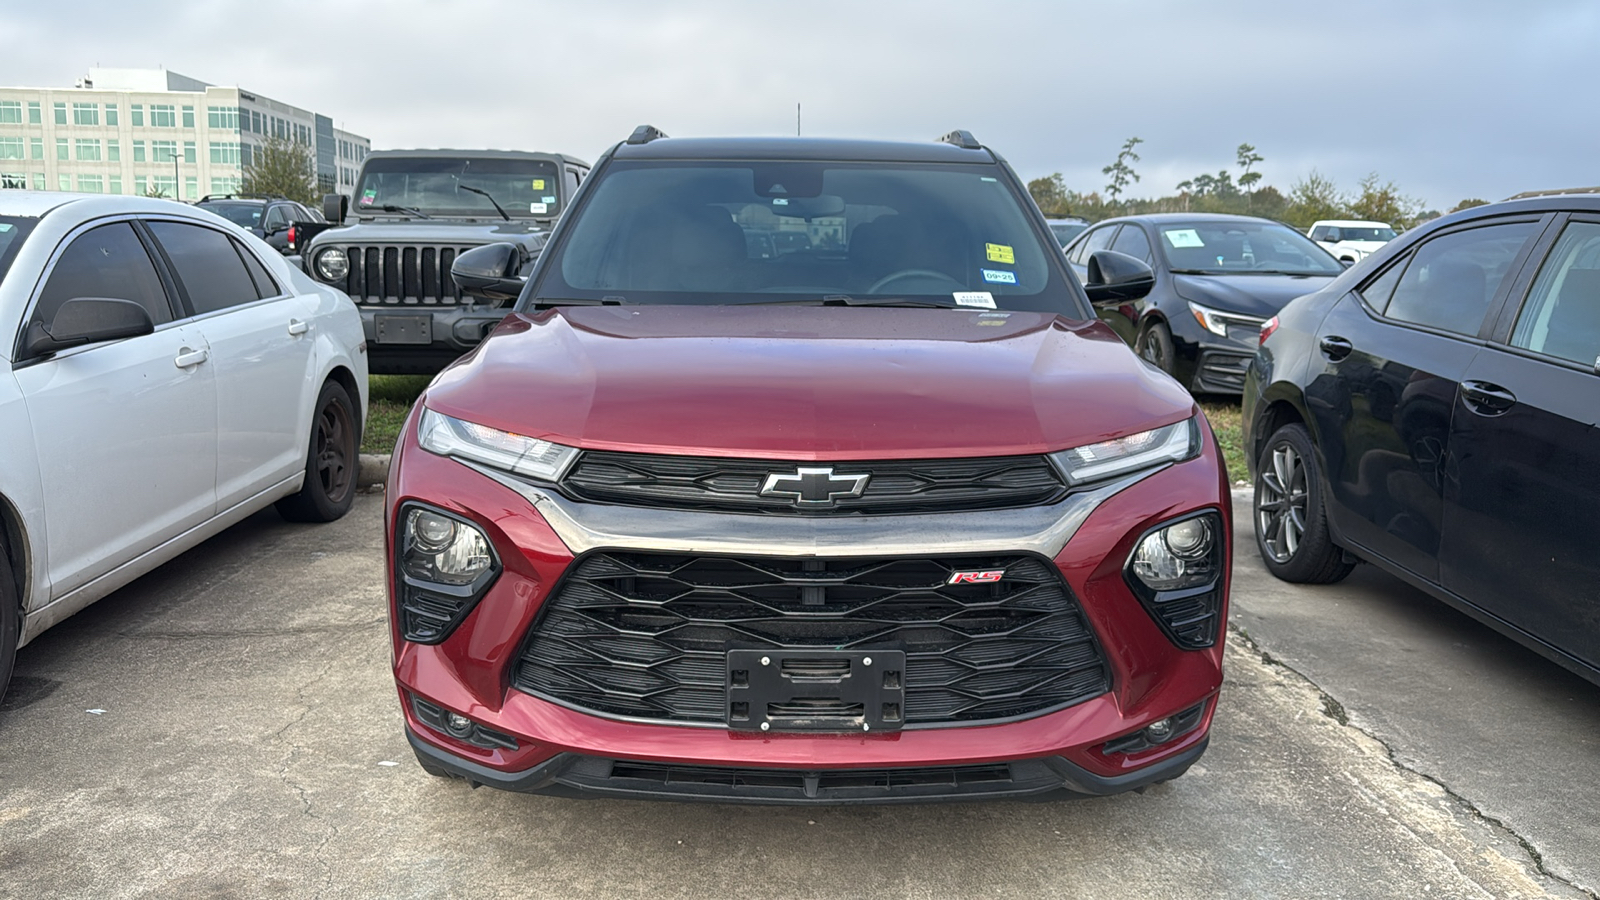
524,188
1066,231
245,215
13,231
1346,233
766,232
1262,248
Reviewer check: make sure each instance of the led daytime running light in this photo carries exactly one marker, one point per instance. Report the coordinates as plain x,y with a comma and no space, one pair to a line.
503,450
1172,443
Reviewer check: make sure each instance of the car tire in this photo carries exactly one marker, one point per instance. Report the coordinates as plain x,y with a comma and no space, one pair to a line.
332,461
1154,345
1290,521
10,620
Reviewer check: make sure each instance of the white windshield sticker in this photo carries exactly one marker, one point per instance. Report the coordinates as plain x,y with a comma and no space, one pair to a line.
1184,237
982,299
999,276
538,208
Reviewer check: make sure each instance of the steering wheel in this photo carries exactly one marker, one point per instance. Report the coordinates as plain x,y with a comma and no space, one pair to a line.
892,277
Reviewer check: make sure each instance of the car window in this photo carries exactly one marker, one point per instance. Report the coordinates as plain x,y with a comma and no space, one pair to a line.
1320,233
244,215
1378,291
1453,277
209,268
1066,231
265,285
1098,239
1562,315
109,261
275,218
1132,241
1254,246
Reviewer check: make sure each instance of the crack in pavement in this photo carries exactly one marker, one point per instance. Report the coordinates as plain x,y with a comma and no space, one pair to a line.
330,829
1335,710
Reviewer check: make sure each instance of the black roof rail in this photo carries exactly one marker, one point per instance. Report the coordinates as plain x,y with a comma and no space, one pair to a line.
644,134
240,196
963,139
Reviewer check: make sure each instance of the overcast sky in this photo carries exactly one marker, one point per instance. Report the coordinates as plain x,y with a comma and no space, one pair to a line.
1448,99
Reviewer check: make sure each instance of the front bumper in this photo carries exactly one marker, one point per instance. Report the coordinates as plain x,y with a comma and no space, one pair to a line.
411,340
471,671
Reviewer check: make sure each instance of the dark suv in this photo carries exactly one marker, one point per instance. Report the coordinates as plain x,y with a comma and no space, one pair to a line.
270,218
802,472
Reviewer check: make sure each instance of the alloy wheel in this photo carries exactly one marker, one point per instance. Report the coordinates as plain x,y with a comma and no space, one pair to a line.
1281,501
334,450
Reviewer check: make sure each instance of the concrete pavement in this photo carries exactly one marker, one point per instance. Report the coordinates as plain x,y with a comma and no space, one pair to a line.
246,724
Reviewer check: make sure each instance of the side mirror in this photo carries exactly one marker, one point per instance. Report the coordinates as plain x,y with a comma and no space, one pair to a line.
334,207
490,271
86,320
1115,277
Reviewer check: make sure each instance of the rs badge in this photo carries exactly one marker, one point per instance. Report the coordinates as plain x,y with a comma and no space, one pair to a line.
985,577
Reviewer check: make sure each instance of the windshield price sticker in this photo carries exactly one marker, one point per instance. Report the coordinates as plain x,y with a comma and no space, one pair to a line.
980,299
538,208
999,276
1184,237
1000,253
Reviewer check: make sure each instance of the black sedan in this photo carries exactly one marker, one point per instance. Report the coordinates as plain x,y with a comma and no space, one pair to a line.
1218,278
270,218
1433,411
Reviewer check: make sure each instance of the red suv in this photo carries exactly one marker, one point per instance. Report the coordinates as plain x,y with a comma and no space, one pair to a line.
803,472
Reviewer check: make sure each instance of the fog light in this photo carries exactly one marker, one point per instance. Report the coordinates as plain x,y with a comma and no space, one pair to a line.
458,725
1175,557
1159,730
443,550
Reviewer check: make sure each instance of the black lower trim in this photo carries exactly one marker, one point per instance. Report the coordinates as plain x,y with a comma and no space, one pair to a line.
576,776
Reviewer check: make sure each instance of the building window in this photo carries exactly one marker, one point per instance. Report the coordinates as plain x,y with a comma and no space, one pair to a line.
61,113
35,148
13,181
191,188
225,152
224,117
164,185
163,115
225,184
64,182
141,185
33,113
90,184
188,151
89,149
163,151
138,117
111,114
138,151
244,154
38,181
114,184
61,148
188,117
10,112
10,148
85,114
113,150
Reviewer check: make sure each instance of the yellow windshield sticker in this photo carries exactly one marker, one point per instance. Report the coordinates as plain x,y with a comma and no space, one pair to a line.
538,184
1000,253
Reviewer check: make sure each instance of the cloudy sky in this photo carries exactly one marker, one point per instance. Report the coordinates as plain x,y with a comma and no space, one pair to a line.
1453,99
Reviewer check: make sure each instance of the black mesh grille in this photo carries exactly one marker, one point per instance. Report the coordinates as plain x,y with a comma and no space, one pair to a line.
402,276
734,485
646,635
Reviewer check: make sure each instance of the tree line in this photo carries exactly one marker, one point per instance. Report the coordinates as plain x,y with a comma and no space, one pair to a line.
1307,200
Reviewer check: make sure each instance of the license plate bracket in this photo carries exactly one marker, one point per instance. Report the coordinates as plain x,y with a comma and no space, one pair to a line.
397,329
816,690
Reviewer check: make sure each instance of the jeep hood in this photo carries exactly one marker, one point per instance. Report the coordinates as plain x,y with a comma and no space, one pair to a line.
810,383
428,231
1252,295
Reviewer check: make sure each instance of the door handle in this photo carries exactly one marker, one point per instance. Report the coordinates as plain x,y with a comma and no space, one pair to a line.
1487,399
187,357
1335,347
298,327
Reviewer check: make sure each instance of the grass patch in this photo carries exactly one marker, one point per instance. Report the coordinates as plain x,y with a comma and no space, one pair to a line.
388,404
1223,414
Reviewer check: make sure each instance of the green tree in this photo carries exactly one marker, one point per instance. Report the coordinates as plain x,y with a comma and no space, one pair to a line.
1383,202
1121,173
1051,195
1248,157
1468,203
1314,197
282,168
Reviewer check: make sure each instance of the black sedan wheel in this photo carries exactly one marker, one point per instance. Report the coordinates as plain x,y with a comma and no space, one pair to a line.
1155,346
331,461
1291,529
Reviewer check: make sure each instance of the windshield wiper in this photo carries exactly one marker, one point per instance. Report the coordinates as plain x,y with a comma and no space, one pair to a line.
551,302
410,210
846,300
485,194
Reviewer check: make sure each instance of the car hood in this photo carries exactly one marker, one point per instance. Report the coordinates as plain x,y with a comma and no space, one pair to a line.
1252,295
429,231
809,383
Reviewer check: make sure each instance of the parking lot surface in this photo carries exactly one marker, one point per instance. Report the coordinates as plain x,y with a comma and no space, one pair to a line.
227,727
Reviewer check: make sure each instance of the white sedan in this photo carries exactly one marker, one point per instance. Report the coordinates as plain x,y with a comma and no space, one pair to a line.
163,374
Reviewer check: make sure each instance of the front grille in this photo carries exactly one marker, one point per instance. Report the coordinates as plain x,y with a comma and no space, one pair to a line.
391,275
734,485
1223,371
646,635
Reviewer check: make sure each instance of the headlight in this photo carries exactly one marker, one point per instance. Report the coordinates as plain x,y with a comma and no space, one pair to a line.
503,450
442,550
332,264
1177,556
1176,570
1217,322
1094,462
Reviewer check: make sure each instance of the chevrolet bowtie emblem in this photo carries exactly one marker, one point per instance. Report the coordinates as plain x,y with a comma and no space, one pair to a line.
814,487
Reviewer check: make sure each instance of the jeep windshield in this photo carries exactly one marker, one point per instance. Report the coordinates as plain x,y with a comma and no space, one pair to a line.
526,188
746,232
1246,248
